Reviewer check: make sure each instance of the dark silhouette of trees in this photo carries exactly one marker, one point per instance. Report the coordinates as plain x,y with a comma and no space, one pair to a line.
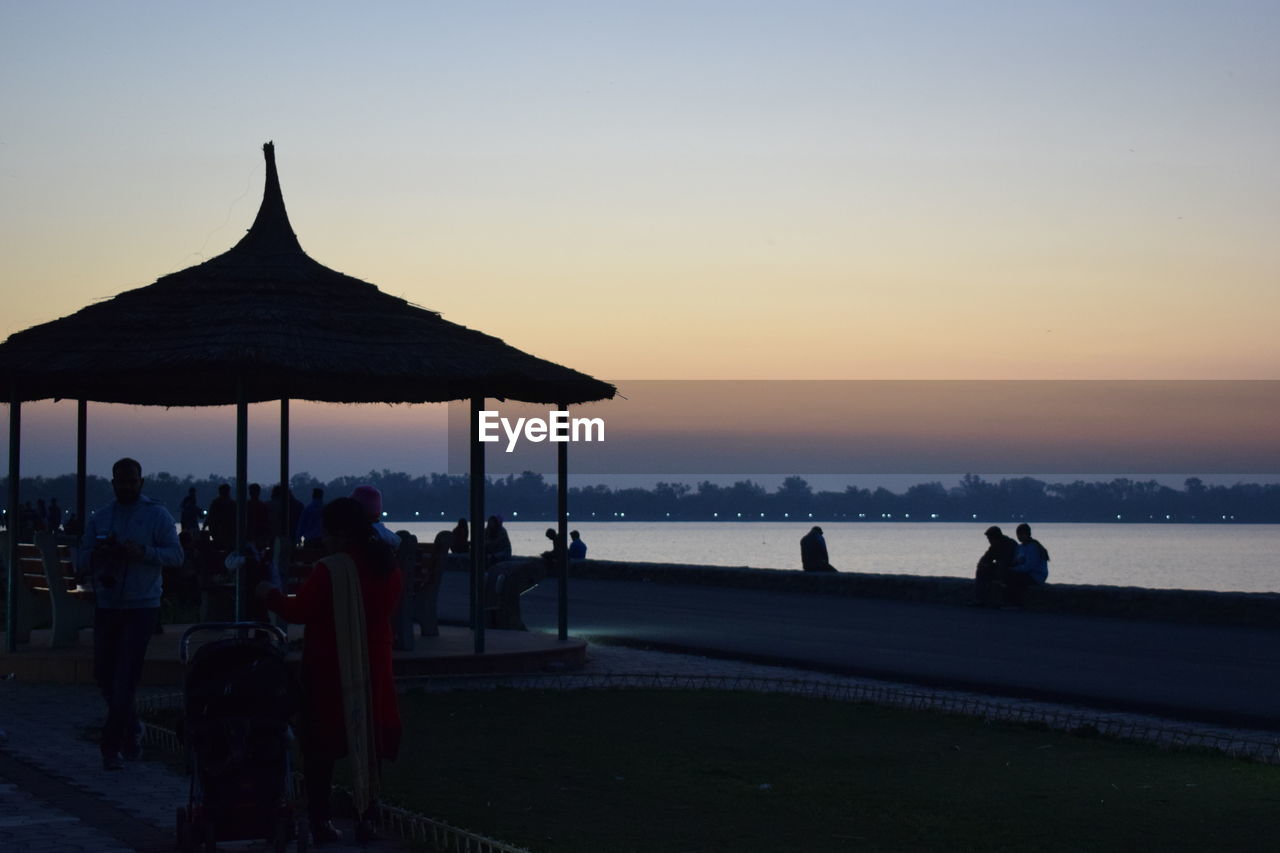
445,498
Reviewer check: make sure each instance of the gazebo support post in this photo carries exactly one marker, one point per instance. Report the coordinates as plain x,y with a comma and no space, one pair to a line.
11,521
477,527
242,485
284,531
562,514
82,460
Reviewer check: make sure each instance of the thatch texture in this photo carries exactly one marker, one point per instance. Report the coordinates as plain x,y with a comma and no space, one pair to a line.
266,313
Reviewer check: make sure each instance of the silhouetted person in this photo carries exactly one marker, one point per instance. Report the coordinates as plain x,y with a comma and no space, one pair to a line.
552,557
55,515
310,530
189,512
126,546
293,507
259,518
497,544
221,519
346,602
813,552
371,500
1030,567
27,521
577,548
993,566
460,542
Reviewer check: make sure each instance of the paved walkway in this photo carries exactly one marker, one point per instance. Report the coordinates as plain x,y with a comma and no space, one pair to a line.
55,797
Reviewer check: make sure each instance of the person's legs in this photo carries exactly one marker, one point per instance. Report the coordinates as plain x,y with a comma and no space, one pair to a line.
139,627
107,630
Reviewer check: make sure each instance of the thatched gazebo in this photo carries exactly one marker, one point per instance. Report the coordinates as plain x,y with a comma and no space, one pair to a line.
263,321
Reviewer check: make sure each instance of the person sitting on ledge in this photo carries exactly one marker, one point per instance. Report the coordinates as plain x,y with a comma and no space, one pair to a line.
813,552
1030,567
459,540
993,566
552,558
577,548
497,544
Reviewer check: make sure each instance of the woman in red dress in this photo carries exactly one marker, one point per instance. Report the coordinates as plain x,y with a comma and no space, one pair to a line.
349,693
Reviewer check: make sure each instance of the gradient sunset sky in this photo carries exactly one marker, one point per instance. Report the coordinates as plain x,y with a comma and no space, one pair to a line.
670,190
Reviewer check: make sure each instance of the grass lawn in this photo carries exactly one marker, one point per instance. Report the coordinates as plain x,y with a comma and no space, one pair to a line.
665,770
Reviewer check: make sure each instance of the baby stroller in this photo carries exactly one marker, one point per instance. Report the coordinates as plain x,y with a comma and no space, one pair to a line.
237,702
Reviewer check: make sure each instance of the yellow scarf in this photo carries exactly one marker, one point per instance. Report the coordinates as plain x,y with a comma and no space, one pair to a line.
353,677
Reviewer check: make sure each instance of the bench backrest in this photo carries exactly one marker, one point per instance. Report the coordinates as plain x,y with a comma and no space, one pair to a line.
57,559
31,565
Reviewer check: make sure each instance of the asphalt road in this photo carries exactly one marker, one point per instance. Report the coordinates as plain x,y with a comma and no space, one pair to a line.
1208,673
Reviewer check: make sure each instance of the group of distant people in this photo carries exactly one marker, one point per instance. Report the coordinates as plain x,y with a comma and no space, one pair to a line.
1005,572
262,517
41,518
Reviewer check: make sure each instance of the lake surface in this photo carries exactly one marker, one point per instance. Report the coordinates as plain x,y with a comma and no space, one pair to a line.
1242,557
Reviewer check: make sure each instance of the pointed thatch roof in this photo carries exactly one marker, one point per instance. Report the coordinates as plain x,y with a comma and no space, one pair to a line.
266,313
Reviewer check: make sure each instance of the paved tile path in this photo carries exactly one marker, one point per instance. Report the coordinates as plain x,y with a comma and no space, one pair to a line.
55,797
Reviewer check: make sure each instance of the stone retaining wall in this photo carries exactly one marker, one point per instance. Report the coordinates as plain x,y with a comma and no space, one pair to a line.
1175,605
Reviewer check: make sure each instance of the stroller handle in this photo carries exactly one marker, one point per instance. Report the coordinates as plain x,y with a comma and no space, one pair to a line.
243,628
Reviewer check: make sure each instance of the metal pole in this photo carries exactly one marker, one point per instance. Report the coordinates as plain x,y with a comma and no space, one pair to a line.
285,532
242,482
11,559
82,457
562,513
286,528
477,527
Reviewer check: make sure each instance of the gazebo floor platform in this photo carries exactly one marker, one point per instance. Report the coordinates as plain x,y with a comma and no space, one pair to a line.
451,653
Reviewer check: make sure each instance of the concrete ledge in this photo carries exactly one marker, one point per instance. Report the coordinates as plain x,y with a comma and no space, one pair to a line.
1256,609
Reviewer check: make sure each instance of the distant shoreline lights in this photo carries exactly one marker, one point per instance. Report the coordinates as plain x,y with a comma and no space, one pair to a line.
556,427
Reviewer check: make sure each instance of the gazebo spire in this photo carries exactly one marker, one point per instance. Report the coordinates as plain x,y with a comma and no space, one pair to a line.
271,232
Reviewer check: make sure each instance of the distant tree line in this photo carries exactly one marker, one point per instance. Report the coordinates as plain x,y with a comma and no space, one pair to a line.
530,496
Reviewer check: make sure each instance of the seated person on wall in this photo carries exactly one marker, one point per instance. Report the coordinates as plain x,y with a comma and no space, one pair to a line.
1030,567
577,548
993,566
497,544
813,552
459,540
550,559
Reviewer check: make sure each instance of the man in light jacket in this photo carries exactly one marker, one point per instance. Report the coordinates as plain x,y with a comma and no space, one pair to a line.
125,546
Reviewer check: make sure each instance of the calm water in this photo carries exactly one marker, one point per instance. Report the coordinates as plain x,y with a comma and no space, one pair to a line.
1171,556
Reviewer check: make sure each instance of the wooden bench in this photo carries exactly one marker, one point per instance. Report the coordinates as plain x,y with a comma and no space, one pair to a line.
33,608
504,583
47,591
73,607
